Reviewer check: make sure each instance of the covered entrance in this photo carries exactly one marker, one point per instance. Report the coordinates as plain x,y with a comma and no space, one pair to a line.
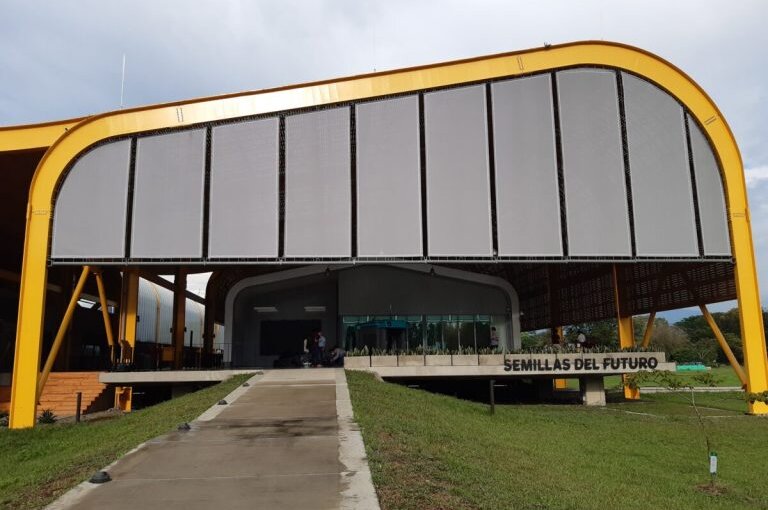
406,307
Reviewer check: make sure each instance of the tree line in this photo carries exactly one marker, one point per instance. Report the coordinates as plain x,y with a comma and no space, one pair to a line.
687,340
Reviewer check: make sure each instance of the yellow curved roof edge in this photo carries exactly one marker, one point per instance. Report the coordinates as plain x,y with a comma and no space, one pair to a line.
41,135
34,136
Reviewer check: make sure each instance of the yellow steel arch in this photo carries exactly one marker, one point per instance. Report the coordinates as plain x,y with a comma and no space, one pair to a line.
588,53
33,136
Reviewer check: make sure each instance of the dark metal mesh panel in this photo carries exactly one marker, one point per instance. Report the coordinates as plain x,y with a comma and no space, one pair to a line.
557,294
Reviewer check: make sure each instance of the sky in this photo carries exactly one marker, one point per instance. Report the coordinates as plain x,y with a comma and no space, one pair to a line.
64,59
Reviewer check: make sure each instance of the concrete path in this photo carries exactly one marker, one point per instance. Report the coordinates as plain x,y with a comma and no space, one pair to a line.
288,441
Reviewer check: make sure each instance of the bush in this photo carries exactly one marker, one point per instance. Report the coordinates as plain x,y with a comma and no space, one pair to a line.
46,416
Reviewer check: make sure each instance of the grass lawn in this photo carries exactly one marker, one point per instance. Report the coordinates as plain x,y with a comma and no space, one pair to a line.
39,464
430,451
724,375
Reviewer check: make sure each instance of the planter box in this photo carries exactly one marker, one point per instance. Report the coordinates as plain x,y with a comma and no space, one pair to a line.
410,360
435,360
487,360
571,356
383,361
542,357
357,362
464,360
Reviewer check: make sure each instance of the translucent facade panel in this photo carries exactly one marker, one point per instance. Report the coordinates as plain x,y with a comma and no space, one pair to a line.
458,190
317,184
662,197
388,178
527,194
244,190
709,187
593,164
90,212
168,196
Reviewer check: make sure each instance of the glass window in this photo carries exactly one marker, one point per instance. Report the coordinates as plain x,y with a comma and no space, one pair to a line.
483,331
434,325
415,332
451,332
467,331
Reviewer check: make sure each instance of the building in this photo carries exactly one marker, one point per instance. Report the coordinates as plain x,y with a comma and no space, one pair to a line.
525,190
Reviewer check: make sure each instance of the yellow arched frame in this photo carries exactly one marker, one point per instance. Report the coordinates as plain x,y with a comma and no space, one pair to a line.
93,129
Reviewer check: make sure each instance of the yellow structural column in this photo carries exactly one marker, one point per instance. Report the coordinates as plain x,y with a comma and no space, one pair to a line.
129,304
559,339
626,330
750,311
29,331
648,330
105,316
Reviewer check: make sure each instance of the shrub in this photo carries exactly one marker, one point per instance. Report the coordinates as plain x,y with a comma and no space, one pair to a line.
47,416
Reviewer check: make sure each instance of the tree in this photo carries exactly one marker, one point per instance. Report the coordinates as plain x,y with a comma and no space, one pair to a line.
602,333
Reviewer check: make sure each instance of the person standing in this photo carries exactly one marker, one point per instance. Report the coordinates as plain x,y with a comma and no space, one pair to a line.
494,339
321,342
581,340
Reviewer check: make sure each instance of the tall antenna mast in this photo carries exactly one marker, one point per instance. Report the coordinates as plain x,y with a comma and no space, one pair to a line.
122,83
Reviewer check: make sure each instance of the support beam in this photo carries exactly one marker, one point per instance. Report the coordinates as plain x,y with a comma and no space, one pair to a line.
123,398
211,296
105,316
625,329
557,335
162,282
592,391
559,339
648,330
750,311
129,306
63,327
179,318
724,345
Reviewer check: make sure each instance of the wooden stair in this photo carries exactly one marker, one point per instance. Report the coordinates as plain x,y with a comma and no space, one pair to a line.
60,394
5,399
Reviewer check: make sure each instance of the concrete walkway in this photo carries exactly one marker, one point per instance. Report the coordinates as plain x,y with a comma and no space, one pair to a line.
286,442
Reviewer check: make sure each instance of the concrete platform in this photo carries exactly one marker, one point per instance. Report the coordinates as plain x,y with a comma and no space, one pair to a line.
171,376
286,442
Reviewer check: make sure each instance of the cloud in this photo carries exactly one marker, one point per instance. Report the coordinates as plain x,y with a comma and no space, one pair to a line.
756,175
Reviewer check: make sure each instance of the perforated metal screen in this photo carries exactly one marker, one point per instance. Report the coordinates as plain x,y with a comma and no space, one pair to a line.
580,164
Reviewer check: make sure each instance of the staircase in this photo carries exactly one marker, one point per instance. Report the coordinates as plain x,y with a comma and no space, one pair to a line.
60,394
5,398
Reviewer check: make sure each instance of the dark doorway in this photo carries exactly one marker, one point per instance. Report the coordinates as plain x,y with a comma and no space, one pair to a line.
286,337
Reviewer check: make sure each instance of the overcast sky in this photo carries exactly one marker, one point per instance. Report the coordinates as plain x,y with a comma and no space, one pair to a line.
64,59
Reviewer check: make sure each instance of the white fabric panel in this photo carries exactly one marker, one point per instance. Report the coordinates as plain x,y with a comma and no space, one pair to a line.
168,196
458,190
593,164
243,220
527,195
317,184
662,197
709,187
388,178
90,212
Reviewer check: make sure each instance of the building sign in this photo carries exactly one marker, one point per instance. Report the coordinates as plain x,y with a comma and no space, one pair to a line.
580,364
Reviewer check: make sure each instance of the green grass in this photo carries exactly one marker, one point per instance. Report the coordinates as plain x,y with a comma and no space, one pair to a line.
39,464
724,374
430,451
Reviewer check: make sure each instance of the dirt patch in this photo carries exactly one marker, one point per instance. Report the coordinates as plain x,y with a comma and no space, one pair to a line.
712,489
